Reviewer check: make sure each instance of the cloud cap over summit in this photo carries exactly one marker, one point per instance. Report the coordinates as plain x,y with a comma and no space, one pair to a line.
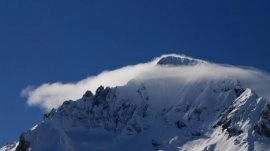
51,95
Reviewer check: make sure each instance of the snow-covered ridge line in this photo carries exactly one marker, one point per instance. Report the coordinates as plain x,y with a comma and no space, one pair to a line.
171,103
206,114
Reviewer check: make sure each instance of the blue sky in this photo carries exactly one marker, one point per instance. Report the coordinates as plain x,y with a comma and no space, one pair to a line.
50,41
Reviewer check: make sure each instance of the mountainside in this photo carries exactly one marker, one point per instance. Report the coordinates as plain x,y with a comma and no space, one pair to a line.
159,109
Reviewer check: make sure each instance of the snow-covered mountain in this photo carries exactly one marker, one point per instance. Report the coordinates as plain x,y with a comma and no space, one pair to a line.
161,109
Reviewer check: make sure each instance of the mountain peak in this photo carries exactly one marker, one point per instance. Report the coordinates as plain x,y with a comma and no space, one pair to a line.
198,106
178,60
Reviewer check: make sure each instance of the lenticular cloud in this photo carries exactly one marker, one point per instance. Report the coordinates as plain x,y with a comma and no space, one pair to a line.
51,95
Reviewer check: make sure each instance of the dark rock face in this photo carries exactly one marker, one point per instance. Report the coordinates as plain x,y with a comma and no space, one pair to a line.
263,125
234,131
239,91
49,115
23,144
88,94
180,124
195,133
177,61
156,145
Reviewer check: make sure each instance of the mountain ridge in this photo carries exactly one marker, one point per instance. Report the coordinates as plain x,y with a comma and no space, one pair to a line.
160,111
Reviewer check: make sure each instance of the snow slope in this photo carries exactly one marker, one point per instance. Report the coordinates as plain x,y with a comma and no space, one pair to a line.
10,147
159,109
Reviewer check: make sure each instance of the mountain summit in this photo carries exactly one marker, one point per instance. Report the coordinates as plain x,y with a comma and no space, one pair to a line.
178,104
178,60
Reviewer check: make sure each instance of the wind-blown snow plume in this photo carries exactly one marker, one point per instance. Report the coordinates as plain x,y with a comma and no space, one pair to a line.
51,95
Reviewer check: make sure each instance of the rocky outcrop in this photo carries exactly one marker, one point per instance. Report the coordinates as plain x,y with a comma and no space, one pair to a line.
242,110
24,145
263,125
178,61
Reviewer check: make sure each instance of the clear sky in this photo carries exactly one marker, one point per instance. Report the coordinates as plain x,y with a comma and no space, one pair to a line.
49,41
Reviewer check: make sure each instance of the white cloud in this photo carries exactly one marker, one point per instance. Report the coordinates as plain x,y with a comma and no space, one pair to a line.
51,95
